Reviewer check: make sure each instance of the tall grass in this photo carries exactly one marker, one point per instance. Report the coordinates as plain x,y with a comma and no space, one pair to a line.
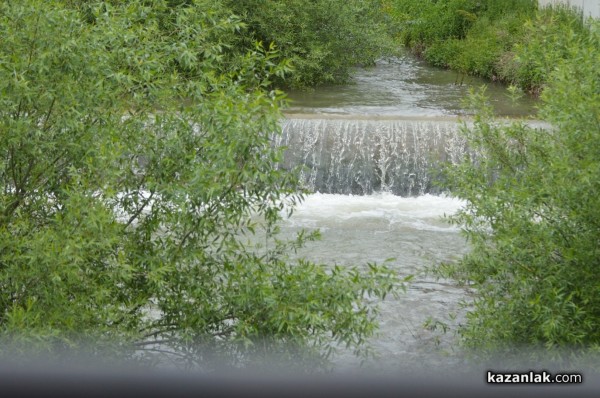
510,41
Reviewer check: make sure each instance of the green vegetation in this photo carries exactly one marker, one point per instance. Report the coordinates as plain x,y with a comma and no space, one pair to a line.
548,39
509,41
140,193
532,216
322,38
137,175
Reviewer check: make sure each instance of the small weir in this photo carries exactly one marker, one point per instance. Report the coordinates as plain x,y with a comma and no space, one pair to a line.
360,157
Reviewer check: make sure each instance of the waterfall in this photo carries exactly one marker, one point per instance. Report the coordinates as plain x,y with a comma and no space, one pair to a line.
360,157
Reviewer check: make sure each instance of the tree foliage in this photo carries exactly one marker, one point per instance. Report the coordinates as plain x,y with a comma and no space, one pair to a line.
533,196
137,175
322,38
546,40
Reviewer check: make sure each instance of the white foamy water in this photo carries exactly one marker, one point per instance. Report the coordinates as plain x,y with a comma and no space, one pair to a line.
383,209
361,229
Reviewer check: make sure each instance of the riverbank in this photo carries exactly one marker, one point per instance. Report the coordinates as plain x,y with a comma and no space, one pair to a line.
513,42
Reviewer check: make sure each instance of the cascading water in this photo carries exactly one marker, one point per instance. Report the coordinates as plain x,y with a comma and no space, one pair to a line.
375,199
360,157
371,153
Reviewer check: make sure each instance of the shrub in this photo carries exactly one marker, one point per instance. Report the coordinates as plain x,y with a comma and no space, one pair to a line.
136,167
322,38
532,216
546,41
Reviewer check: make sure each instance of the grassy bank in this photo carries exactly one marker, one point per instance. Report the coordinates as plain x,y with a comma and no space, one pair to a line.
510,41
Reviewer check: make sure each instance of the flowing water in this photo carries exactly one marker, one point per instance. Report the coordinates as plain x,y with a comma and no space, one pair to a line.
370,152
361,157
373,228
405,87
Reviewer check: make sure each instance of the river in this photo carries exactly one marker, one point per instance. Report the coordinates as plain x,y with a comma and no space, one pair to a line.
371,151
403,88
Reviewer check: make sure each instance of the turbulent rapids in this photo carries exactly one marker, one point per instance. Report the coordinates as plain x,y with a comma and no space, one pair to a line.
353,156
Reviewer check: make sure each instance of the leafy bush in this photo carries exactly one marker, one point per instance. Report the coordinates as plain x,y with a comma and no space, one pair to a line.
478,57
532,216
441,53
426,22
546,41
136,172
322,38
